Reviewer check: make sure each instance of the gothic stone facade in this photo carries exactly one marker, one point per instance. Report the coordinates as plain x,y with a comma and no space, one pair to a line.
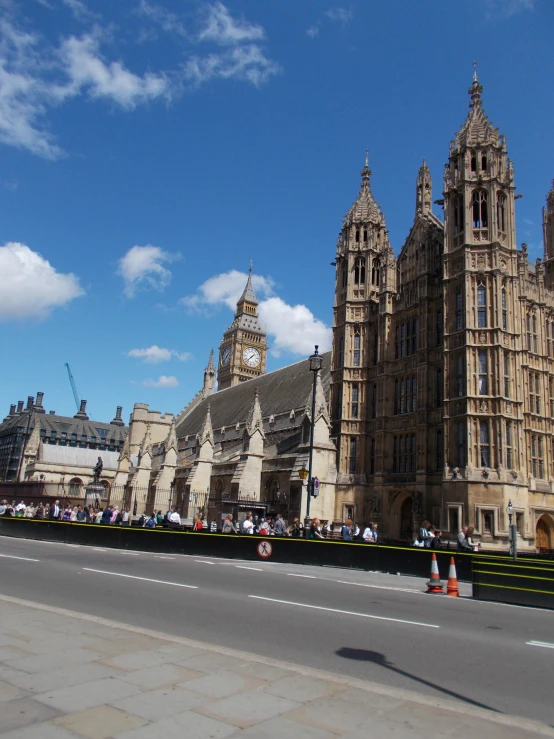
442,380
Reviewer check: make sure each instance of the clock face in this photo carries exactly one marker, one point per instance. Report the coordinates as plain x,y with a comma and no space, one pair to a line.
226,356
251,356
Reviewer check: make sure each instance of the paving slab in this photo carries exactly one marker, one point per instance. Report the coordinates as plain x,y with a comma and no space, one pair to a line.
62,658
42,682
156,705
158,676
221,684
100,722
25,711
247,709
303,689
40,731
87,695
281,727
188,725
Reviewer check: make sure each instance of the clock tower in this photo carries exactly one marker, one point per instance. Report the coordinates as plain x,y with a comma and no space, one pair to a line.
243,349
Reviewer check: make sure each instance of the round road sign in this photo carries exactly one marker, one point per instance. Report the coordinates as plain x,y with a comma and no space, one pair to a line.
265,549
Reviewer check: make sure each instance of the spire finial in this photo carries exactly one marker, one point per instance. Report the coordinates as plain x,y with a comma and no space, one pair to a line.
475,78
250,267
366,172
367,157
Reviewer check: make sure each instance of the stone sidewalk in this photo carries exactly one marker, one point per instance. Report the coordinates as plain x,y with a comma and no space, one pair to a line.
65,674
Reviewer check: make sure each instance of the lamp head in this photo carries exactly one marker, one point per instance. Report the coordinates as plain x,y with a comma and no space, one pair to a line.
303,473
510,508
316,361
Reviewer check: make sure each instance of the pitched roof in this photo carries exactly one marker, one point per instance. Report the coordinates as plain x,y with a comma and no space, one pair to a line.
476,128
65,424
280,392
249,296
365,209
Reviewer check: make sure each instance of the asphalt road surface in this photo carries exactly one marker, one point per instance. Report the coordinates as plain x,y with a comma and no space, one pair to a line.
371,626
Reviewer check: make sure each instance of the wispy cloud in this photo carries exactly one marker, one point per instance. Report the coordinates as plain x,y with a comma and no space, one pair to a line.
339,15
142,268
507,8
293,328
155,354
313,30
162,381
30,286
37,76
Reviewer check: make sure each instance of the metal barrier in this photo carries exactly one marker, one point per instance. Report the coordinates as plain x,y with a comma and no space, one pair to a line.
525,581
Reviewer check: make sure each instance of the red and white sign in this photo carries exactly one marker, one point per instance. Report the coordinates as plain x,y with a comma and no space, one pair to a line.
265,549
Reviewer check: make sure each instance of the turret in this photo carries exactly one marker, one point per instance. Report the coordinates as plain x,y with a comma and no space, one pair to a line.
424,191
209,377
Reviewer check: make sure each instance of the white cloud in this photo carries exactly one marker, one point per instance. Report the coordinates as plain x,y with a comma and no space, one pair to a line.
156,354
339,15
88,71
142,267
29,286
247,63
79,10
293,328
507,8
226,288
313,31
162,381
165,19
221,28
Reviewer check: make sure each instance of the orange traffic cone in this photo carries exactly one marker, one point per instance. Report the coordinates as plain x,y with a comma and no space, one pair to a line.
452,584
435,585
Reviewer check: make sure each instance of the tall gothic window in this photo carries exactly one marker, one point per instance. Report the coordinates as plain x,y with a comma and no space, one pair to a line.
460,443
480,209
403,340
509,442
352,455
372,457
356,355
459,319
473,162
365,234
414,393
355,399
458,210
412,453
481,305
440,335
504,311
439,389
506,375
484,162
549,336
460,375
501,213
397,342
395,397
414,335
375,348
344,275
341,351
402,396
534,393
359,271
357,235
483,373
440,462
395,454
551,394
374,401
537,456
484,443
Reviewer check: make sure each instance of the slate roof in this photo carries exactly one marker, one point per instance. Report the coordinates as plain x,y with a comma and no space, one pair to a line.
77,457
280,392
104,432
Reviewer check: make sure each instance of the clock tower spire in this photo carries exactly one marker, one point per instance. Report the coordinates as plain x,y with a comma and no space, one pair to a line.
243,349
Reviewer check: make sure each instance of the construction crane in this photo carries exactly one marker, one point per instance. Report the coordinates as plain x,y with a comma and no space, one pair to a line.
73,387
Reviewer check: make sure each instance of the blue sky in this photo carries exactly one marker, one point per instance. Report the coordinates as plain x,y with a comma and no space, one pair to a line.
150,150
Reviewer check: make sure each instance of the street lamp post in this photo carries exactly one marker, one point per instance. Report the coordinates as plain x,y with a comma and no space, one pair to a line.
512,530
316,363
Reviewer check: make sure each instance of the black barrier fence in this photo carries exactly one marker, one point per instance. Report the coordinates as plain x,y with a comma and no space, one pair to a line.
526,582
370,557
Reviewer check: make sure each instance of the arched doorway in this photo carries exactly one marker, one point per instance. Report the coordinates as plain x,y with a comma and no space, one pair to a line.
406,520
545,533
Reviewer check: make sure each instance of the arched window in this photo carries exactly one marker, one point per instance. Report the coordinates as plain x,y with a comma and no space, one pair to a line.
459,320
458,210
484,443
440,334
473,162
356,352
460,375
414,335
75,487
480,209
355,400
365,234
439,388
353,451
504,311
501,212
344,275
483,372
439,451
357,235
484,162
359,271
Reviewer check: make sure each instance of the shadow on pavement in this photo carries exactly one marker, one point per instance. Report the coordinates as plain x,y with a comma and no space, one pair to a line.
366,655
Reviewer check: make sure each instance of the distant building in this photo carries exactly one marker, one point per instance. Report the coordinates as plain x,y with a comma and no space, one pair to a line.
40,446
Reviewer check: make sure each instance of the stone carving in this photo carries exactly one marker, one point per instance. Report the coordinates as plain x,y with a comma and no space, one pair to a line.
484,406
509,409
374,505
482,337
417,505
503,265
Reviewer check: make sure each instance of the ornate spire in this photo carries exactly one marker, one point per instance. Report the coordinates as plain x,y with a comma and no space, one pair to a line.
146,446
206,432
477,129
171,440
211,367
255,419
248,295
424,190
126,449
365,208
321,410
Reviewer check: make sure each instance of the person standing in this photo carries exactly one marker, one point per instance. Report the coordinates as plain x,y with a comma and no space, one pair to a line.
228,525
367,536
315,530
346,531
55,510
280,526
424,534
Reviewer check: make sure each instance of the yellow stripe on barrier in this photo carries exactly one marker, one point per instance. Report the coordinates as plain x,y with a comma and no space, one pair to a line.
521,567
504,574
509,587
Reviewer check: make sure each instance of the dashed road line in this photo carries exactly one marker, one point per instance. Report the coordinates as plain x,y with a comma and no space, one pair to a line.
136,577
543,644
26,559
244,567
295,574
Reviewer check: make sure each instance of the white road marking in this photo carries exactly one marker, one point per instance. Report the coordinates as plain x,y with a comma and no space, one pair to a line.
159,557
135,577
308,577
378,587
75,546
204,562
244,567
544,644
346,613
132,554
97,549
12,556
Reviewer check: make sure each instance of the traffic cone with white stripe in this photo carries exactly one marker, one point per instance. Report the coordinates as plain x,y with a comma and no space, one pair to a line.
435,585
452,584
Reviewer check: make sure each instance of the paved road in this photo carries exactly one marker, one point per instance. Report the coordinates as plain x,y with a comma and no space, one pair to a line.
366,625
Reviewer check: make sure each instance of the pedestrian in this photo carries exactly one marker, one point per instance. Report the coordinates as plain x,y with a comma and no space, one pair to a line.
73,514
106,518
125,517
159,518
3,506
39,513
174,518
367,536
315,530
461,541
30,511
280,526
424,534
116,516
436,540
151,522
228,525
325,530
55,510
296,530
346,531
66,515
248,525
80,514
375,528
197,523
471,545
20,509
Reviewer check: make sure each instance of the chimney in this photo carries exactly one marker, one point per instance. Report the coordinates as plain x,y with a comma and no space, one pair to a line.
12,410
19,406
52,413
38,405
30,402
118,421
82,411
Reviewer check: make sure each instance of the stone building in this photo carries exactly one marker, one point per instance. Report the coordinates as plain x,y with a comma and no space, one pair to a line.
436,401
